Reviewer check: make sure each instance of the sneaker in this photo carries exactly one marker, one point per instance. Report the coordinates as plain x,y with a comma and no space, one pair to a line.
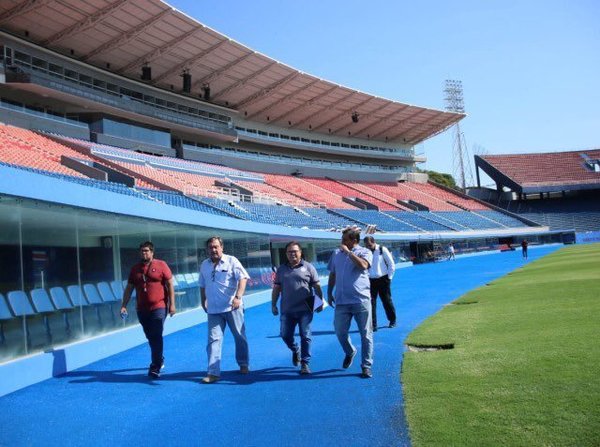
244,369
210,379
154,371
348,360
366,373
392,324
296,357
305,369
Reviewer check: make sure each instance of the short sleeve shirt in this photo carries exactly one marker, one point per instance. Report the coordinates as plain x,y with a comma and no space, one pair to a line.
296,286
352,284
220,282
149,281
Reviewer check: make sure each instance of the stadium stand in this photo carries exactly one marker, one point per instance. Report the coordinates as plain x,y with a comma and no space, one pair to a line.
97,159
559,190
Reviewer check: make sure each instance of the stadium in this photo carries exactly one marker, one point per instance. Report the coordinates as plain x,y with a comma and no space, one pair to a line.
128,121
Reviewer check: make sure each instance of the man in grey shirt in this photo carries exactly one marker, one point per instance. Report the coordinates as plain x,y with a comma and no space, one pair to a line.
349,277
295,281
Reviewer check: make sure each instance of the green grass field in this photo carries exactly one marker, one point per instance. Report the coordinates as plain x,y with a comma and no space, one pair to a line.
525,367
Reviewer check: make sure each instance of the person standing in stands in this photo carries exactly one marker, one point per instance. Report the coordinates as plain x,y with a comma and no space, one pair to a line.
349,278
297,281
155,295
381,273
222,284
524,245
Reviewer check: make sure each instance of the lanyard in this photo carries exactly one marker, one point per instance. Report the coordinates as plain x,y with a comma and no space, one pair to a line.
144,277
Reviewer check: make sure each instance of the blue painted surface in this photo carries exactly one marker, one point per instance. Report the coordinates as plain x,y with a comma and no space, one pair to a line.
112,402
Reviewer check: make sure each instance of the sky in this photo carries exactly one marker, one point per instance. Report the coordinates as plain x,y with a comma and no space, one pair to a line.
530,70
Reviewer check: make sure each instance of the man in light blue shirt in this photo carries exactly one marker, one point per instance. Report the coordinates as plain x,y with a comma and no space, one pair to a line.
222,284
349,279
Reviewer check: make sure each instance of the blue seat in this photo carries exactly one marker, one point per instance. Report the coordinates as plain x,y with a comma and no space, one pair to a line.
41,301
106,293
109,298
21,307
59,298
189,278
5,315
91,294
181,281
43,305
63,304
94,299
76,296
19,303
117,288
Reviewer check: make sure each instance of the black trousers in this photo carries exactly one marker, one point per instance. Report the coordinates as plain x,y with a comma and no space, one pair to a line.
381,287
152,322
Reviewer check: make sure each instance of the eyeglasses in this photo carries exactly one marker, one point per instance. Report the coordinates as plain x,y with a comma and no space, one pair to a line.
292,251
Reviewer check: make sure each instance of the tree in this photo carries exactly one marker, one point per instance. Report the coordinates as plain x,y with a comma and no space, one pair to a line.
441,178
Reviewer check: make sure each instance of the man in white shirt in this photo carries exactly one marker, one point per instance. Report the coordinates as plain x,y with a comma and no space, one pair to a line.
222,284
381,273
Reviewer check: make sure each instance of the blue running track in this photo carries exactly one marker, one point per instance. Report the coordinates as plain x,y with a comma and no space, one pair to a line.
112,403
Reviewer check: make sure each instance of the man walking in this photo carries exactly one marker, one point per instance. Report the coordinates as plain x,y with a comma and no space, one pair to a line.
524,246
381,273
153,283
222,284
349,278
451,254
297,281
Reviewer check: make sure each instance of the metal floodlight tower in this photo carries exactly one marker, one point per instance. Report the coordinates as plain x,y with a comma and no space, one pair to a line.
461,164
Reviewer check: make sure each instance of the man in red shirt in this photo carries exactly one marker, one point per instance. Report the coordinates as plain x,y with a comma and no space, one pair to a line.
153,282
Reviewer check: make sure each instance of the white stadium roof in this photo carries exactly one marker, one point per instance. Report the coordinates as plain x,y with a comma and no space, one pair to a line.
123,35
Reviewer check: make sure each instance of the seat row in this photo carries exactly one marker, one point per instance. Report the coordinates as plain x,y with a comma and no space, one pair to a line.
99,301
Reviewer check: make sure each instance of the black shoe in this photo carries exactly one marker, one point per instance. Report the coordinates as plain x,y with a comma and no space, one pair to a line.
392,324
348,360
154,371
366,373
296,357
305,369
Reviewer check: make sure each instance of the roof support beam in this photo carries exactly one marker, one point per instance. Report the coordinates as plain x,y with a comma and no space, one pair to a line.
158,52
129,36
85,24
215,74
243,81
415,127
378,122
329,106
343,112
189,63
22,8
267,90
351,123
399,123
308,103
440,128
282,100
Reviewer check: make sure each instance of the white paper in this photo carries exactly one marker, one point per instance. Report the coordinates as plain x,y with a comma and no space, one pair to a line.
319,302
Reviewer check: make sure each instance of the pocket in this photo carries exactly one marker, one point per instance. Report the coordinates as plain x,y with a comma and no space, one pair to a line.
223,278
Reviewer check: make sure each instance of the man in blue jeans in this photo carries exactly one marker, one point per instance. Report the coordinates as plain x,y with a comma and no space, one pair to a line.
153,282
222,284
295,281
349,278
